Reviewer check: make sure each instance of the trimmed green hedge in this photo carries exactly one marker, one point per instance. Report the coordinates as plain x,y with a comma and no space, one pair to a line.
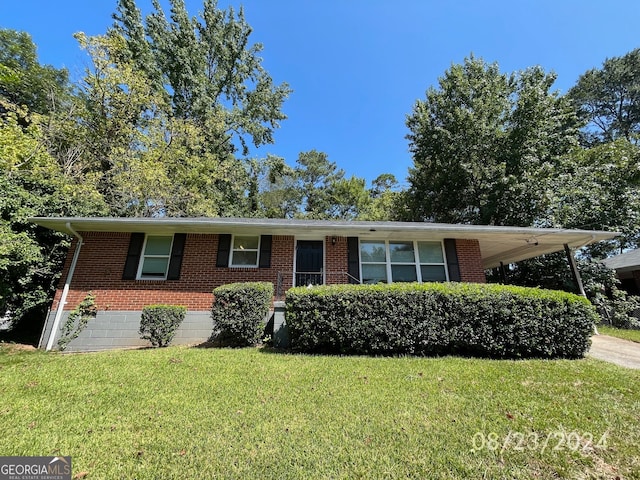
159,323
238,312
438,319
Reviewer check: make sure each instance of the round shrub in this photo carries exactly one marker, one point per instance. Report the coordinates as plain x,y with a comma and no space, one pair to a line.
238,312
159,323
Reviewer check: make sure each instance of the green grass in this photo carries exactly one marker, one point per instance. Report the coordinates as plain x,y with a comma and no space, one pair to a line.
221,413
633,335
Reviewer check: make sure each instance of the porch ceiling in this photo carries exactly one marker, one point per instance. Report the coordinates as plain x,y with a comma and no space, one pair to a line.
497,244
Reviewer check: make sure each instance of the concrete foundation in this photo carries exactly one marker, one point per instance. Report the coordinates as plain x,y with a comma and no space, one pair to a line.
119,329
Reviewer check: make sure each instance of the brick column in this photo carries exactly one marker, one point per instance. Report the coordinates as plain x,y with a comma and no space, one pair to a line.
470,261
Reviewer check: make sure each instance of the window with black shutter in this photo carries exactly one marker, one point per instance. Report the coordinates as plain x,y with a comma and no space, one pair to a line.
154,257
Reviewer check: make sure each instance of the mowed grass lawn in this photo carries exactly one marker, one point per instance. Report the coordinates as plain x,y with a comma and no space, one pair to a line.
632,335
220,413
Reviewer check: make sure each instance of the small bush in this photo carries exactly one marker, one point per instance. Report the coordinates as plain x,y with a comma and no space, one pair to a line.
159,323
615,306
77,320
238,312
427,319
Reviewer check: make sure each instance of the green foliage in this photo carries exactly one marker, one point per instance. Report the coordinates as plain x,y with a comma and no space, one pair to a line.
546,271
273,191
613,304
619,309
159,323
386,201
609,99
31,258
238,312
428,319
147,162
317,176
23,81
34,182
315,188
163,108
602,287
77,320
485,145
599,188
207,67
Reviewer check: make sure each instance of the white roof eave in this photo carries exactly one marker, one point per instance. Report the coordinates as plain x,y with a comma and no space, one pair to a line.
497,243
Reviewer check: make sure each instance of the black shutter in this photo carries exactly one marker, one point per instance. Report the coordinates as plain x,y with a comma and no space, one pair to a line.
452,259
224,247
353,255
265,251
176,256
133,256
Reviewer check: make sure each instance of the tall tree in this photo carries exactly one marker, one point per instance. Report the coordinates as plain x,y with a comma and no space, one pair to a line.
349,198
484,145
385,199
148,162
315,188
208,68
609,99
33,183
599,188
276,193
23,80
31,258
316,176
382,184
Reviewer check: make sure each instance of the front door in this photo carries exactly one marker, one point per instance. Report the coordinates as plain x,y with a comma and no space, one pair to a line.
309,261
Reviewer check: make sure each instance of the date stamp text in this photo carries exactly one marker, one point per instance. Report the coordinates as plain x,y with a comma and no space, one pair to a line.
554,441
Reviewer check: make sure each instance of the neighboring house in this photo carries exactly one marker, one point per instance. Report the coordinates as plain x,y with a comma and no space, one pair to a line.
627,267
128,263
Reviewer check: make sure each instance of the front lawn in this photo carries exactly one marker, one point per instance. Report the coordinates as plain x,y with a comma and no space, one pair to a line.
248,413
633,335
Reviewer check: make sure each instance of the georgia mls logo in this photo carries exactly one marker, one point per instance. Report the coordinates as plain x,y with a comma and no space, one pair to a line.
35,468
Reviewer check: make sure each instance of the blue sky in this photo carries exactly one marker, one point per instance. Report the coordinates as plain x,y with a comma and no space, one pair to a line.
358,66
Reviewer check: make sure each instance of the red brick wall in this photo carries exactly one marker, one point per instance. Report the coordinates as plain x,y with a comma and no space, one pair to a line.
103,255
336,260
102,259
470,261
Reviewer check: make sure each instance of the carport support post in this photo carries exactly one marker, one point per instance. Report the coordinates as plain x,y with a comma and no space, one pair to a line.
576,276
574,270
503,274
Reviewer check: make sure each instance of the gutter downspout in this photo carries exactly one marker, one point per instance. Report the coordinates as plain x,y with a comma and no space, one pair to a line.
65,290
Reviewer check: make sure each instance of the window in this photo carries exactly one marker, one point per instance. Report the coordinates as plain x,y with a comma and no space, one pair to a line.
402,261
154,261
432,267
373,258
244,251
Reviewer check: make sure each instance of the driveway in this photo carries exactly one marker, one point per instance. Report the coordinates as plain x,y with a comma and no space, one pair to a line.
615,350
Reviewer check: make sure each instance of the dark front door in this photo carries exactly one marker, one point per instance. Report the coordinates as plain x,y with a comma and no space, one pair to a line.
309,256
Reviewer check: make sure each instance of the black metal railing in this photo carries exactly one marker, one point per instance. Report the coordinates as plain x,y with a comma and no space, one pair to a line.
309,278
286,280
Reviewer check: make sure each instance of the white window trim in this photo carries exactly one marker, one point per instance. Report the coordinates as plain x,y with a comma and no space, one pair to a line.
257,250
416,255
139,275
